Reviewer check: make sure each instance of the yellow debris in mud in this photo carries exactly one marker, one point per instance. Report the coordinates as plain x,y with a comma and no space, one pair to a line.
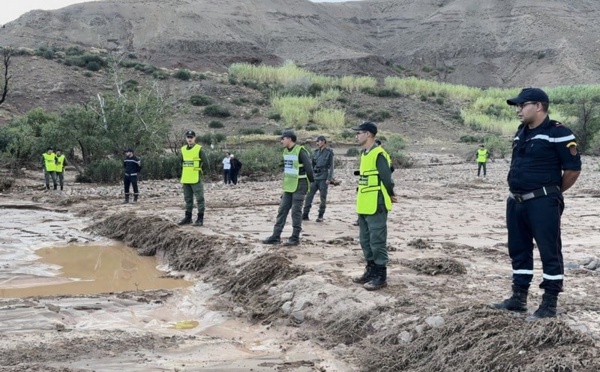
185,324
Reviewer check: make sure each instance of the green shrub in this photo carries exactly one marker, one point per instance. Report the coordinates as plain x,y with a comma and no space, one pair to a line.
217,111
74,51
249,131
439,101
312,127
128,64
131,85
352,151
161,167
262,102
88,74
232,80
200,100
423,98
315,89
361,114
132,56
470,139
239,101
105,171
380,116
342,100
160,75
183,74
254,110
260,161
93,66
211,138
215,124
199,76
275,116
348,134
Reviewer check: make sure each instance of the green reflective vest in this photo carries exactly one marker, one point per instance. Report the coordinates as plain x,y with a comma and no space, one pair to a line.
482,155
369,184
291,168
192,164
50,162
60,161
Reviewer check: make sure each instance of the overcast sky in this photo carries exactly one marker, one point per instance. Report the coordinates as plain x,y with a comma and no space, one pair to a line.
13,9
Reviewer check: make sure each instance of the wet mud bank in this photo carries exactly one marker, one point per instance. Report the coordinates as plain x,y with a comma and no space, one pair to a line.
398,329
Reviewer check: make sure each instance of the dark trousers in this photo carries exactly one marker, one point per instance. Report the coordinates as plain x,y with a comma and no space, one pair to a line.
61,179
321,186
189,191
226,176
373,235
234,175
479,166
47,176
130,181
536,219
293,201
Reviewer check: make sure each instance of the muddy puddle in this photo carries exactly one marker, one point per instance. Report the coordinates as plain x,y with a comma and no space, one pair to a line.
89,269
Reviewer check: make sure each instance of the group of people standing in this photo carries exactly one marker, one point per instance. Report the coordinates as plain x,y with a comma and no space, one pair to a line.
231,169
53,165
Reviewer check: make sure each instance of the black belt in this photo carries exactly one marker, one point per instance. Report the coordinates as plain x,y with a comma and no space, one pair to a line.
547,190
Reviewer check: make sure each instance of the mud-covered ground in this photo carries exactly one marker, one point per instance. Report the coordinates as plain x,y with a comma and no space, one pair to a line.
259,307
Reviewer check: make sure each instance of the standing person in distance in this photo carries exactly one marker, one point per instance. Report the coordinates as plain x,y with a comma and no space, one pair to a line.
193,159
132,165
297,175
227,169
374,200
323,164
482,158
49,166
236,166
61,162
545,163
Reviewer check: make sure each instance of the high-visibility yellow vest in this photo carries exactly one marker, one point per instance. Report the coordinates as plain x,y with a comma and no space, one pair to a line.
50,161
192,164
482,155
60,161
291,168
370,185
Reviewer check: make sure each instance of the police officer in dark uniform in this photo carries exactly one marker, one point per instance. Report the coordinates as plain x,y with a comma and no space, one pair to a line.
545,163
323,164
132,165
297,175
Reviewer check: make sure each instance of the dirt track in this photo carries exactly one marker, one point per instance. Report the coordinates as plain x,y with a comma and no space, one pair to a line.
448,260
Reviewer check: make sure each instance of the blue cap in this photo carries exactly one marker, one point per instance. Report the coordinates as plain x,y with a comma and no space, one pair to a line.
190,133
529,95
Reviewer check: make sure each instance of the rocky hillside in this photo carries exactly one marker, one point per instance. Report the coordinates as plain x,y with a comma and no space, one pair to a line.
473,42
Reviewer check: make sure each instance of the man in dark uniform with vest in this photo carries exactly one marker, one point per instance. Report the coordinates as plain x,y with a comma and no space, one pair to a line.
297,174
49,165
193,159
545,163
132,165
374,199
61,162
322,161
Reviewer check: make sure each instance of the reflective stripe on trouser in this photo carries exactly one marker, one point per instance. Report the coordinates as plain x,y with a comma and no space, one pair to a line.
293,201
373,235
321,186
536,219
47,176
191,190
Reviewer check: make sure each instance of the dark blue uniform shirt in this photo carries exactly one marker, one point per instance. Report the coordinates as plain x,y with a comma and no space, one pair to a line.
540,155
132,166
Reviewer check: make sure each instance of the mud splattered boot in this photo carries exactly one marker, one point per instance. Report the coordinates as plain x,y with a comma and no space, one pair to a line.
305,217
292,240
366,276
135,198
199,220
378,278
320,218
187,219
126,199
273,239
547,308
517,302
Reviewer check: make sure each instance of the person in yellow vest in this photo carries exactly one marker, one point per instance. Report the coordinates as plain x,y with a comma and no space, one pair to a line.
373,202
482,157
61,162
297,175
49,165
193,160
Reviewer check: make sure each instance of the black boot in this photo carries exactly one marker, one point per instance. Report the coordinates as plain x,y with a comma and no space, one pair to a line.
200,220
305,217
378,278
292,240
273,239
366,276
547,308
135,198
126,199
517,302
187,219
320,218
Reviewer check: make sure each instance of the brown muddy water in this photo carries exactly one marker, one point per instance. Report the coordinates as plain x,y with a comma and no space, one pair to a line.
90,269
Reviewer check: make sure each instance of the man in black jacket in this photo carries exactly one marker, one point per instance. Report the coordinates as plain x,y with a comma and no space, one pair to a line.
132,165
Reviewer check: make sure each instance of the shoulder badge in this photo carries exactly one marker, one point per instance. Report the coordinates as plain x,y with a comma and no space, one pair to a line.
572,146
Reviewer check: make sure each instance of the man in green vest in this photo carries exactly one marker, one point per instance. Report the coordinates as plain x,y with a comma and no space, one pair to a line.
192,160
49,166
482,157
373,201
61,162
297,174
